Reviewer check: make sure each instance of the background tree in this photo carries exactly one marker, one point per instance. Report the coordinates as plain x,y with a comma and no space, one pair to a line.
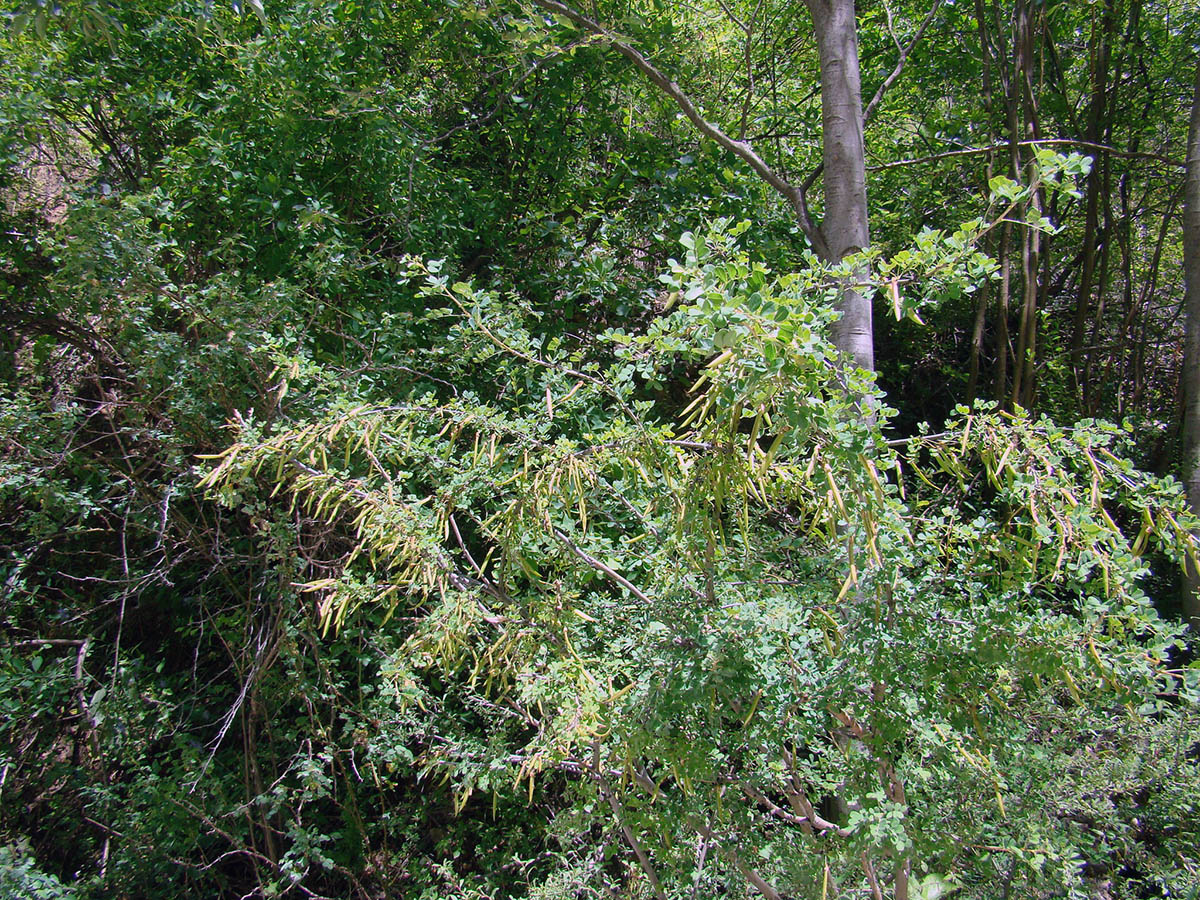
1191,360
423,469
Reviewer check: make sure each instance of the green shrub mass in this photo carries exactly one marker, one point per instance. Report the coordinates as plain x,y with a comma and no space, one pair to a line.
425,470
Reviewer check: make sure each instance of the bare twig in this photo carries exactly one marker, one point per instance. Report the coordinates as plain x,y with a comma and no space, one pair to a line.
463,546
904,52
599,566
1050,142
227,721
872,877
741,149
124,595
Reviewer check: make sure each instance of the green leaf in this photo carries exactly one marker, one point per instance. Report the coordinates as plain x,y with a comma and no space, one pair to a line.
724,338
1005,188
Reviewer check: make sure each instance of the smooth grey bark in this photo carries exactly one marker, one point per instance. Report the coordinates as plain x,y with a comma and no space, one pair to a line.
843,152
1191,352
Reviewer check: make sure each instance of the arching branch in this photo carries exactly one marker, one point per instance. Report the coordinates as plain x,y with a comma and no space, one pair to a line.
904,52
741,149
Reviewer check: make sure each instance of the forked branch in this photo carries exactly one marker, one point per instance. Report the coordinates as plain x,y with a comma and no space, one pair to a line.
904,52
741,149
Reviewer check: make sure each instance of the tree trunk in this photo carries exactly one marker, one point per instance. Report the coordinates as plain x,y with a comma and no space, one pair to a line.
980,327
1003,342
1191,353
1095,133
1023,371
845,225
844,230
977,332
1093,356
1023,99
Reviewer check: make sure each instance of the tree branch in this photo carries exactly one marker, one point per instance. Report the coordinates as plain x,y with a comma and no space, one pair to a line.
599,566
904,52
751,875
806,224
741,149
872,876
630,838
1053,142
809,818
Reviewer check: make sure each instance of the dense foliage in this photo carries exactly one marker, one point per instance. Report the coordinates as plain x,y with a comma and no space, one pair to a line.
426,471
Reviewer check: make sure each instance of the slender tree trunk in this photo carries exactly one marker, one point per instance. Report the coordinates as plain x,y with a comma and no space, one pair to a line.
1009,70
1094,133
1013,120
1129,321
1003,342
845,224
985,293
1022,393
1023,99
1094,357
977,332
1191,354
